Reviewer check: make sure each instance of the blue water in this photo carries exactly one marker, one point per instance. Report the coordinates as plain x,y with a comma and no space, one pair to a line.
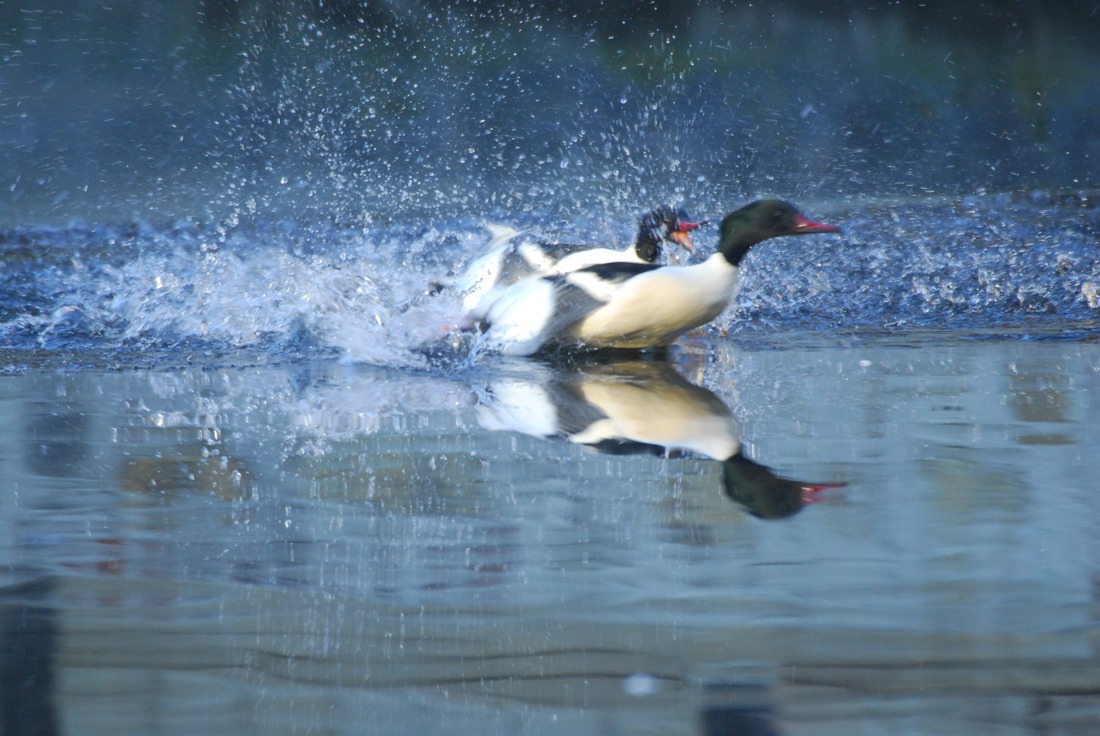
150,294
252,480
288,182
305,545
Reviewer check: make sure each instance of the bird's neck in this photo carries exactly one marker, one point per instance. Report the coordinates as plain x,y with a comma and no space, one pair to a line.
735,249
646,248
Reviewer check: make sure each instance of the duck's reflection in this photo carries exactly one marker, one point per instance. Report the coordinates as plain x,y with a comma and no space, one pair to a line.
640,406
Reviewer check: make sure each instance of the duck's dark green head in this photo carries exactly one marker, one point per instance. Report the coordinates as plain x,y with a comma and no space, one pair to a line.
763,219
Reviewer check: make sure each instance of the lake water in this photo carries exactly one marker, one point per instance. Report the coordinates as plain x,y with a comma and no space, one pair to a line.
237,492
252,480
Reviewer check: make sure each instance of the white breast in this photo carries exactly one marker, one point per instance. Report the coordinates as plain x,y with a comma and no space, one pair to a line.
656,307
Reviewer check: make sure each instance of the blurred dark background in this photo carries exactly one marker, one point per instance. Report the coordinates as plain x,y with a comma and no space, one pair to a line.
208,109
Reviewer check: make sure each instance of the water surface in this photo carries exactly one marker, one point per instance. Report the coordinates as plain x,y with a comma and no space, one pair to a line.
253,480
311,546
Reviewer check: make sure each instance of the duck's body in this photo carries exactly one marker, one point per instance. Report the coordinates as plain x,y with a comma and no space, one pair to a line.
610,306
631,305
688,297
514,256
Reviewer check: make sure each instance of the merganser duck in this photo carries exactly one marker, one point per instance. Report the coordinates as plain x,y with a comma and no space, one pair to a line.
514,255
643,407
635,305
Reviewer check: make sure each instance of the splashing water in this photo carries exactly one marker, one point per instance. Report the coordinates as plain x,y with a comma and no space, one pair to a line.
350,169
242,293
985,263
281,291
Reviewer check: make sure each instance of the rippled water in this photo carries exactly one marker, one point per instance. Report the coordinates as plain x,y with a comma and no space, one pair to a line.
311,545
253,481
862,500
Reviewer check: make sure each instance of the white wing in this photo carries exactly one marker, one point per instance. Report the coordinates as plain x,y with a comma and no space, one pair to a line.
481,275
